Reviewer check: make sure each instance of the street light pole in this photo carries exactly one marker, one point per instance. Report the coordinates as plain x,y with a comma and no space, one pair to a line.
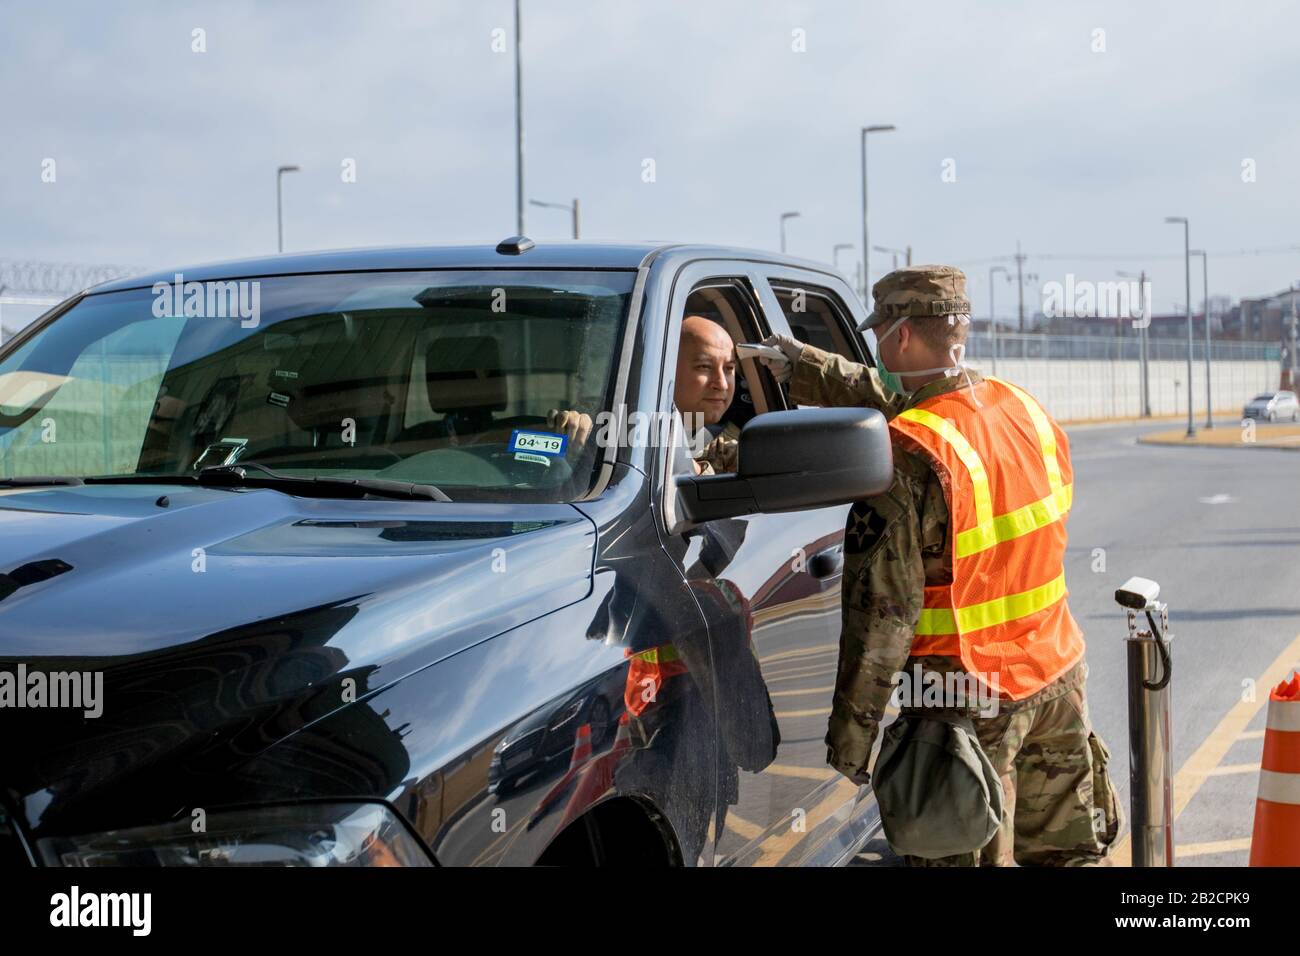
895,252
1205,279
567,207
866,245
519,124
279,209
1187,272
993,321
1144,376
835,252
784,217
1292,382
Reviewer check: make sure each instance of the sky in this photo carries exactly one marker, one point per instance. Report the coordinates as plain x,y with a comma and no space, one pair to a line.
1074,128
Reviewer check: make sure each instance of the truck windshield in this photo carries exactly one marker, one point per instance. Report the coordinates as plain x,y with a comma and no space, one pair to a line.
443,378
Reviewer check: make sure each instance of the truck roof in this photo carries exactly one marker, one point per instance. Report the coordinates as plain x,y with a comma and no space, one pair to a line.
543,255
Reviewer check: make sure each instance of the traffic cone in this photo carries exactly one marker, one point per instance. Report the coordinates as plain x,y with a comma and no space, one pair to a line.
1276,840
581,747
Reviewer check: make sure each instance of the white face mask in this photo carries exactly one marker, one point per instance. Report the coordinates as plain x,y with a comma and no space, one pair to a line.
893,381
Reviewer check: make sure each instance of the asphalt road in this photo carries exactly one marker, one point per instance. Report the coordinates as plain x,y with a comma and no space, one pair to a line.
1219,529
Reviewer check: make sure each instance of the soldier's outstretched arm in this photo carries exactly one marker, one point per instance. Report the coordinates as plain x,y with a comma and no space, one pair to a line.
884,582
826,379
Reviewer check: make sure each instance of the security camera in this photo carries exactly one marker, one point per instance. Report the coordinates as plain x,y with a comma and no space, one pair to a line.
1138,593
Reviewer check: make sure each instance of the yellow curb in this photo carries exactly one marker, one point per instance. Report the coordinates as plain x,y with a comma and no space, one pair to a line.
1264,436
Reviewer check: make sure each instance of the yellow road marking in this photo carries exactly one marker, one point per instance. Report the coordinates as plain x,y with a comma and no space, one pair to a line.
778,846
807,773
799,693
1205,849
1232,768
1220,740
813,672
742,827
795,668
1251,735
797,652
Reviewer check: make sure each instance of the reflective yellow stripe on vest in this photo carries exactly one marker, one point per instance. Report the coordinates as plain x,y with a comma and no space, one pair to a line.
990,529
1046,437
969,457
939,620
663,654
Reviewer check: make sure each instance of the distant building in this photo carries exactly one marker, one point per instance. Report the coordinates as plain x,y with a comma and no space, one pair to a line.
1265,319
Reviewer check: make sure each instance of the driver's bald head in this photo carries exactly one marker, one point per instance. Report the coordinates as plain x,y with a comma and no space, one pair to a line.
698,332
706,369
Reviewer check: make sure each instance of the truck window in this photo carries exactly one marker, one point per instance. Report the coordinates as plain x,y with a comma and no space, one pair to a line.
818,318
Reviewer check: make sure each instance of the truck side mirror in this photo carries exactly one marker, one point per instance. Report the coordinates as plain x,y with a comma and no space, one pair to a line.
793,461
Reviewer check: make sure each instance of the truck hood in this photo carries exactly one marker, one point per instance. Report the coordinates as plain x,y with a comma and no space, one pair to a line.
221,621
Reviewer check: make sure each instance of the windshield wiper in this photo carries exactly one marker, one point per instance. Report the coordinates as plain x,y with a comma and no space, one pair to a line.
36,481
319,486
316,485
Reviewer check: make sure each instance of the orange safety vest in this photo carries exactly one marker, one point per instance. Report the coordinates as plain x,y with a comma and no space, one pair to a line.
1005,470
646,675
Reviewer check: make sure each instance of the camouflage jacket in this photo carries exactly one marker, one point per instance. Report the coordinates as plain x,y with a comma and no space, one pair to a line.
895,545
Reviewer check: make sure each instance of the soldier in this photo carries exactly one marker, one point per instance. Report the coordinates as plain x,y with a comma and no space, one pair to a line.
959,568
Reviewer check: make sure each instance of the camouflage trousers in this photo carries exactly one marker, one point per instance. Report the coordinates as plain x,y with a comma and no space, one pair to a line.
1061,808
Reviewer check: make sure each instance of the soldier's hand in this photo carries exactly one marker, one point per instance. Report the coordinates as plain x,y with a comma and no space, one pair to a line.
858,775
576,425
790,348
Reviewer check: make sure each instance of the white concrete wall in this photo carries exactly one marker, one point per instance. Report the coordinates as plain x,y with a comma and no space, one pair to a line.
1073,389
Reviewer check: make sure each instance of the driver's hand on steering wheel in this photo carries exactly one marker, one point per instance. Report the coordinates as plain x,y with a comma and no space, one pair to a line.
576,425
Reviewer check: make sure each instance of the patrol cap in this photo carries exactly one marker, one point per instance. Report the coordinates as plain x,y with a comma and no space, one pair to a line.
918,291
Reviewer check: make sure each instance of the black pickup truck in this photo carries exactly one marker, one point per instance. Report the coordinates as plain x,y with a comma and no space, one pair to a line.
294,570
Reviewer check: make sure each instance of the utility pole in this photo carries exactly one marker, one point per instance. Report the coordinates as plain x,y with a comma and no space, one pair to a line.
993,318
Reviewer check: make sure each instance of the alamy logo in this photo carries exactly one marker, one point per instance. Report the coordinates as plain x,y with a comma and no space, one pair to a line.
78,690
75,908
1083,299
954,689
226,299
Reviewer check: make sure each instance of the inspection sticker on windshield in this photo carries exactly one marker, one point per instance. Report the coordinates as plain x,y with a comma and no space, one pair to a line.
528,445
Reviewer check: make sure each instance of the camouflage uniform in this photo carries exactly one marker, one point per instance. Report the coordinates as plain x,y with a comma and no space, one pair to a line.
719,456
1061,807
